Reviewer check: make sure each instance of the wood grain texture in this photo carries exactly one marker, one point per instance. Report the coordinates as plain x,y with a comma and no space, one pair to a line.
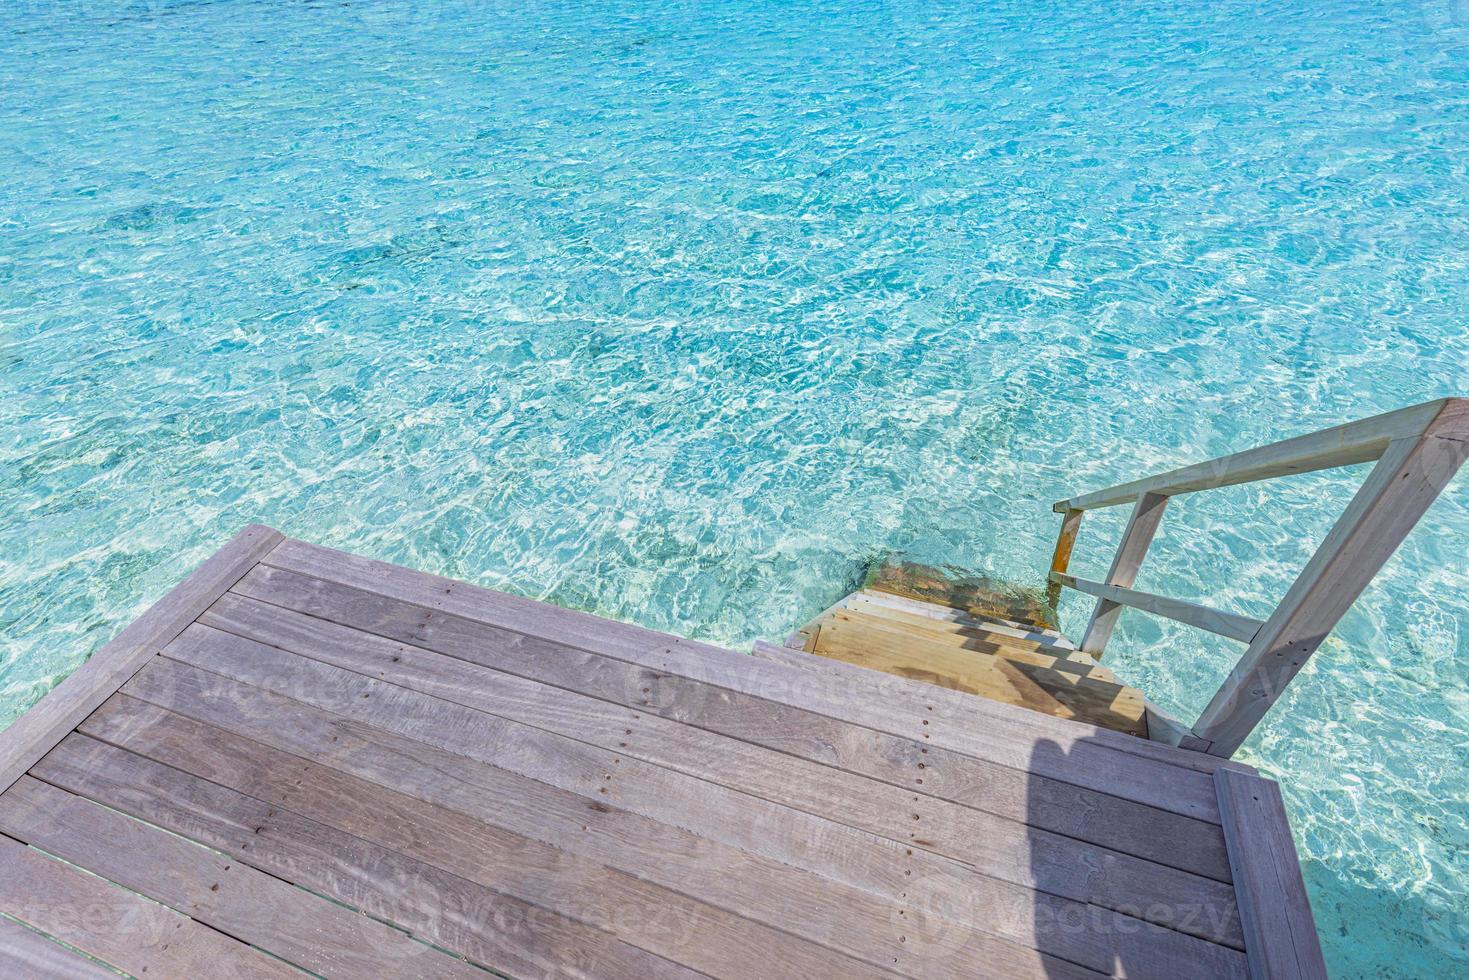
899,869
1280,932
407,885
1232,625
675,721
949,614
481,824
350,752
1062,689
968,638
916,659
1061,555
1137,537
47,721
299,927
119,927
28,954
700,865
1166,778
961,632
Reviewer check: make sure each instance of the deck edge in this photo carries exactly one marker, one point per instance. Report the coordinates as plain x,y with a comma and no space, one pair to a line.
1281,940
66,705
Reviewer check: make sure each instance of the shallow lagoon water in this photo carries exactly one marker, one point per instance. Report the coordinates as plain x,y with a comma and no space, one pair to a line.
683,313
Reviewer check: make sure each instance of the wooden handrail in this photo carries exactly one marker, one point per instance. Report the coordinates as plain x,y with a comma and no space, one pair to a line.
1232,625
1343,445
1417,450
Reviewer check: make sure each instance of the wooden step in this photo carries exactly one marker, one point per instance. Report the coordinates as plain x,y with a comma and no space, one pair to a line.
940,656
1048,689
968,640
961,634
980,674
932,610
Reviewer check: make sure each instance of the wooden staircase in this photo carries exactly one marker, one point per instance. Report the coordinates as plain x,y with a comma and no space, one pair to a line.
1008,653
982,637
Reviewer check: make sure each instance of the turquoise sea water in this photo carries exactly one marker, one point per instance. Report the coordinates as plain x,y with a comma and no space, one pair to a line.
684,312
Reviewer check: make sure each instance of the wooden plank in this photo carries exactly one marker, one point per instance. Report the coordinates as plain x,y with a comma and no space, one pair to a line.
968,638
668,854
454,894
917,607
1400,488
900,871
1137,537
24,953
46,722
813,742
1061,556
117,926
984,729
480,807
1232,625
942,616
420,773
932,663
1280,932
873,687
266,912
1355,442
1054,692
801,638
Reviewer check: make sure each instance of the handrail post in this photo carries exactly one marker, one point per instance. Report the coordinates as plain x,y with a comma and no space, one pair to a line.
1136,538
1407,478
1061,557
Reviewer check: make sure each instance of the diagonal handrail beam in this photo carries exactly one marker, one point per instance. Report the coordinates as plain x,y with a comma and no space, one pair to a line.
1344,445
1417,451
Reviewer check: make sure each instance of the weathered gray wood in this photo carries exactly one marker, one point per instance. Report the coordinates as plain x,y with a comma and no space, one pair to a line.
28,954
455,894
822,742
298,926
1061,556
1405,481
47,721
508,815
1163,727
1280,932
1232,625
490,759
894,868
1343,445
117,926
667,854
1137,536
972,726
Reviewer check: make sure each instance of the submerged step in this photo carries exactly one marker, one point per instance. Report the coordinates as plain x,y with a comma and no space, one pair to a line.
976,595
946,614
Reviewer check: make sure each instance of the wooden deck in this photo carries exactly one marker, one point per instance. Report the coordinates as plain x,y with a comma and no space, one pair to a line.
302,760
